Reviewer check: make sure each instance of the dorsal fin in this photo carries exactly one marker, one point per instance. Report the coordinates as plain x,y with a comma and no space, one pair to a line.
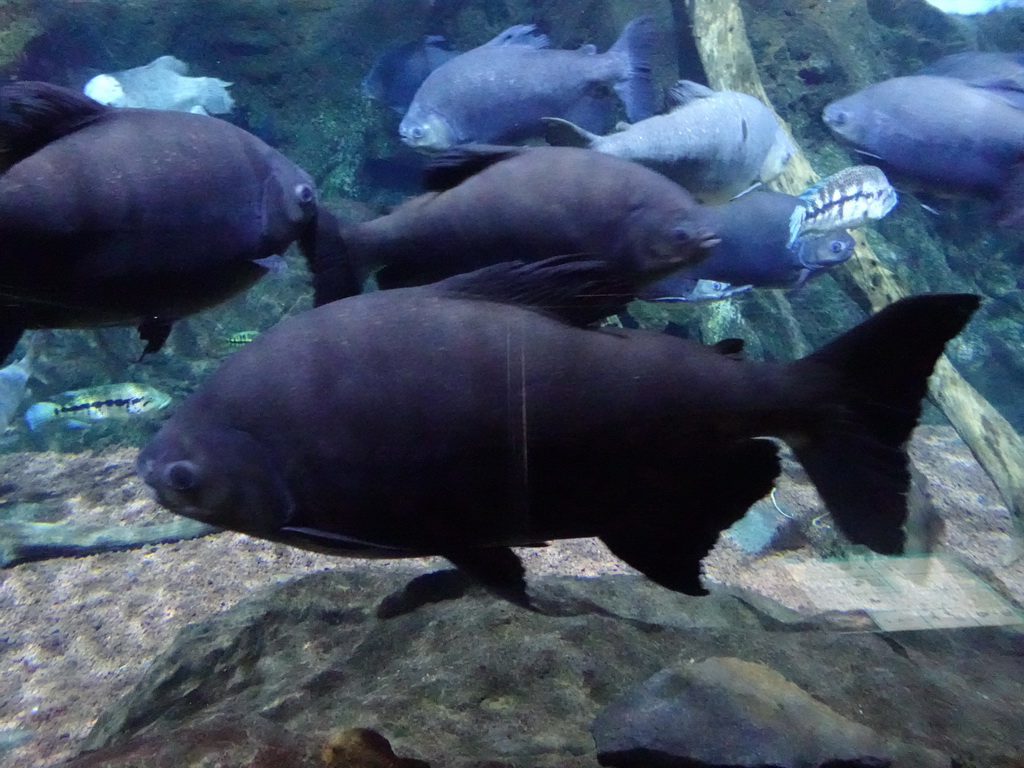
520,34
575,288
452,167
33,114
685,91
1008,89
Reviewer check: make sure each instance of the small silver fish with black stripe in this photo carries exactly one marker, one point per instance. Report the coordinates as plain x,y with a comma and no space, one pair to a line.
847,199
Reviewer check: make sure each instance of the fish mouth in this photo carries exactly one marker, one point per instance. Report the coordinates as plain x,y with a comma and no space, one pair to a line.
835,117
706,239
431,133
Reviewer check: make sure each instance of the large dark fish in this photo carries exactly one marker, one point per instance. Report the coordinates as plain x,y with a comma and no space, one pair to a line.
755,249
441,420
497,204
398,72
499,91
943,134
135,216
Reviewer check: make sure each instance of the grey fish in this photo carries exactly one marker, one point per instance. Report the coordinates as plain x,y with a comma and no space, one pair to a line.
498,92
754,250
162,84
845,200
468,422
941,134
714,143
495,204
681,288
398,73
135,216
979,66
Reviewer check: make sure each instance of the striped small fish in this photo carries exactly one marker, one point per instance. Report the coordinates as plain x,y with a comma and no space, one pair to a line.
848,199
241,338
107,401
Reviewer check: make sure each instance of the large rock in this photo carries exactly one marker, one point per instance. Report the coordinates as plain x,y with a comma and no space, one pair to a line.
728,713
458,678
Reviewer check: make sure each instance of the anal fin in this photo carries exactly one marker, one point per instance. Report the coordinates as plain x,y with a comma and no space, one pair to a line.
668,549
10,334
154,331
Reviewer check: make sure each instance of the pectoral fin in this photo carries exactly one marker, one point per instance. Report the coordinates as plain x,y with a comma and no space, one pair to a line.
499,569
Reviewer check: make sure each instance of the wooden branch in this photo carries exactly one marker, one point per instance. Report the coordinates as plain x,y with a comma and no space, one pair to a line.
720,33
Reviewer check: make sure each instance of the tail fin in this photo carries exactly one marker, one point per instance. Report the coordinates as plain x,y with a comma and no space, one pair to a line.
858,462
637,90
40,413
334,276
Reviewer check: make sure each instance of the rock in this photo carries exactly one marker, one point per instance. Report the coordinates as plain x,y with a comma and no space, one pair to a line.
252,742
363,748
473,681
227,742
728,713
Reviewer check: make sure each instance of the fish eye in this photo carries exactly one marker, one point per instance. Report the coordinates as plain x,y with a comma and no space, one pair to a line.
304,194
417,132
837,246
182,475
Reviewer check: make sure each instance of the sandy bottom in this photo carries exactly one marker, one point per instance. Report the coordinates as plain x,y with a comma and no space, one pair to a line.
78,633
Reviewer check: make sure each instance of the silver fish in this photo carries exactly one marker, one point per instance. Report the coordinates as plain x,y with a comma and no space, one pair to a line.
705,290
847,199
713,143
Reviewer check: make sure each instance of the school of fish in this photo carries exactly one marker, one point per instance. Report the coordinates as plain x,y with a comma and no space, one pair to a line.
451,392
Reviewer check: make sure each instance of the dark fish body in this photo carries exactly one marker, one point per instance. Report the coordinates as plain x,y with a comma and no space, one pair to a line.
119,216
422,421
755,248
534,203
398,73
943,134
498,92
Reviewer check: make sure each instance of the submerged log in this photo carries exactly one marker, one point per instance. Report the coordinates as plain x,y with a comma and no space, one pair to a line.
720,33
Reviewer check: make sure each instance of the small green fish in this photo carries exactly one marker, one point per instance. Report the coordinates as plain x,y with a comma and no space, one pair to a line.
241,338
108,401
